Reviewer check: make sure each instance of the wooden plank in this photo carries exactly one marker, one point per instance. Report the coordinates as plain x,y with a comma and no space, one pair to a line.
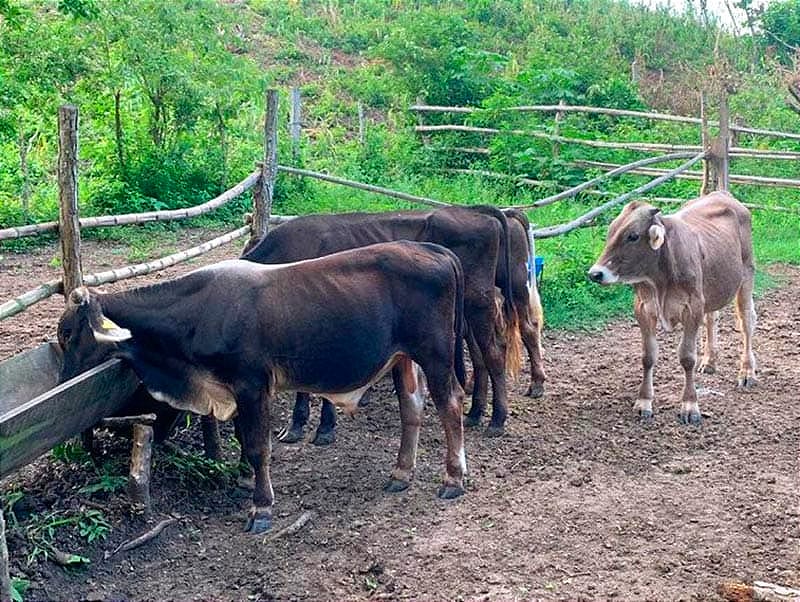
28,375
36,426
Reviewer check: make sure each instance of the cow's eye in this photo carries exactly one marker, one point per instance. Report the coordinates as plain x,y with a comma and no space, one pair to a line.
632,237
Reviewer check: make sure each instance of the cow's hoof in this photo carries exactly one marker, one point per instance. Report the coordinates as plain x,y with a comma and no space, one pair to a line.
707,369
471,421
258,522
536,390
494,431
396,486
325,438
450,492
289,435
693,418
746,383
645,415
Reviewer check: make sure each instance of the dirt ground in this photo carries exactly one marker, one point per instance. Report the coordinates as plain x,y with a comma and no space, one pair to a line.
578,501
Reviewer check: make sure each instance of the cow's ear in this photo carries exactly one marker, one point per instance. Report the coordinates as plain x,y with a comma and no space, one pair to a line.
79,296
657,234
111,333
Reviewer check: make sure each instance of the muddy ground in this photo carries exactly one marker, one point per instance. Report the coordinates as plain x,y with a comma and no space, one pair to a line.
579,500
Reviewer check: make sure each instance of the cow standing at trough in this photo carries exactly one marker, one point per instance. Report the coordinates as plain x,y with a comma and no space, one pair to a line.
684,267
224,339
478,235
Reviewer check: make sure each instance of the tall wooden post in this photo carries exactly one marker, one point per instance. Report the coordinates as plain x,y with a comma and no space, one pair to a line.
139,478
264,188
295,124
69,228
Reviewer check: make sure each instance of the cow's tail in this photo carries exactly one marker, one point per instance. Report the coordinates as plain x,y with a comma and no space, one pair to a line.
510,320
535,302
458,323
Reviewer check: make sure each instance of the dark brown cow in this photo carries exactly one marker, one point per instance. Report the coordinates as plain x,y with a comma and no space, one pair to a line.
224,339
525,299
684,267
477,235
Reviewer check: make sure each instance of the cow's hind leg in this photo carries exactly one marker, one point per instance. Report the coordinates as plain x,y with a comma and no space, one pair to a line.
300,413
493,353
480,383
408,385
708,363
529,310
326,431
448,397
687,353
746,316
253,427
647,326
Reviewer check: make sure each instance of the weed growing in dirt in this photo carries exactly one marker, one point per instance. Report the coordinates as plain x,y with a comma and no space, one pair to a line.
41,532
105,483
195,469
18,589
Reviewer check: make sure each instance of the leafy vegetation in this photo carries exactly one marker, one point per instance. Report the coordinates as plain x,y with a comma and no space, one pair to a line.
171,104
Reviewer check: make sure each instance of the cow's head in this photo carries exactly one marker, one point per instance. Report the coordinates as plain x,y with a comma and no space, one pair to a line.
87,338
632,246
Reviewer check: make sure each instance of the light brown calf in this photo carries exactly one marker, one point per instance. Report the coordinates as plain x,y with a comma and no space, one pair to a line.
684,267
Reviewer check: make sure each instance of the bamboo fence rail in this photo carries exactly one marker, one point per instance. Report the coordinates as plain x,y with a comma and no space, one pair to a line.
561,108
560,229
139,218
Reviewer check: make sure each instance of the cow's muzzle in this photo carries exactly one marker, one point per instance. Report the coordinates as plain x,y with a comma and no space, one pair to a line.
601,275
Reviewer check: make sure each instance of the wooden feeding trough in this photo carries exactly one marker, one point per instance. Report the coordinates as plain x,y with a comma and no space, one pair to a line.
36,413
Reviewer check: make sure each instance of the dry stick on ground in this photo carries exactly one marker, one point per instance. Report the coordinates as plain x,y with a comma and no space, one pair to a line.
293,528
735,591
142,539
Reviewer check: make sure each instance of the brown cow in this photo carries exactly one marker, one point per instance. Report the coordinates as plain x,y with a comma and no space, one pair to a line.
684,267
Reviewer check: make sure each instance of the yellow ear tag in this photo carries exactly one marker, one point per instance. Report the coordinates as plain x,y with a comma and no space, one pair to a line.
108,324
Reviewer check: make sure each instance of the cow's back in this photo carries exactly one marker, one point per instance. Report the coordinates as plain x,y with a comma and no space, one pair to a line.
723,231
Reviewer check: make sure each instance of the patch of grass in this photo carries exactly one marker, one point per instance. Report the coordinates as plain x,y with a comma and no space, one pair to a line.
42,530
18,589
196,469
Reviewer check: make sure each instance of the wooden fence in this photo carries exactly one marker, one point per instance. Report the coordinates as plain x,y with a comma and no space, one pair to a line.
715,153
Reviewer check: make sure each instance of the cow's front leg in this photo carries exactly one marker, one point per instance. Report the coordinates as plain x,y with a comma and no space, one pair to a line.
746,317
408,385
647,326
687,353
253,426
300,412
708,362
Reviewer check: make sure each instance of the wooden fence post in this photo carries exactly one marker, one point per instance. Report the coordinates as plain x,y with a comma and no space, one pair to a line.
295,124
724,136
139,478
264,188
69,228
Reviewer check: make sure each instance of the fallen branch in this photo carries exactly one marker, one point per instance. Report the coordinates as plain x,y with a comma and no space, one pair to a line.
736,591
293,528
142,539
